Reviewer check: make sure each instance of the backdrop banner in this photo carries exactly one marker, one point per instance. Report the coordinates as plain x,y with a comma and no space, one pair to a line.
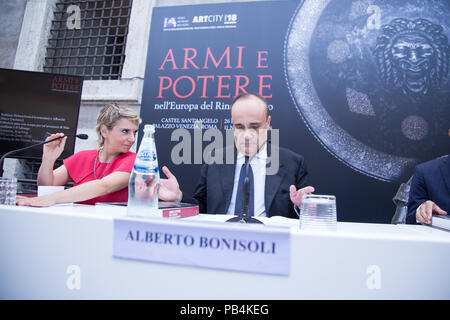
359,88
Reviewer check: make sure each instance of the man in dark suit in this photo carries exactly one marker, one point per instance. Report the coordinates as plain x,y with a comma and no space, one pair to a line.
430,191
219,190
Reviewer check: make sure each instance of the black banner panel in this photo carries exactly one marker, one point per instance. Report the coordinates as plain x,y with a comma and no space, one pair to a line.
34,105
359,88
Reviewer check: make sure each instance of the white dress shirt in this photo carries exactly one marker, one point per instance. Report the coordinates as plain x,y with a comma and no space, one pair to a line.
258,164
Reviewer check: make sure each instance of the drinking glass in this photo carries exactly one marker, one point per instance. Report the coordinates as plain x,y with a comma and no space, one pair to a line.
8,190
318,212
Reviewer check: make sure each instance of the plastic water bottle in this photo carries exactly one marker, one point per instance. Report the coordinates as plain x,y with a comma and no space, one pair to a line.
143,188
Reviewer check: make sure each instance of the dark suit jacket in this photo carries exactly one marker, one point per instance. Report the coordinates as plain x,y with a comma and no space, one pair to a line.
431,181
215,188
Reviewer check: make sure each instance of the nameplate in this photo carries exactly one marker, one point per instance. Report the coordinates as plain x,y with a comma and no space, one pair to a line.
228,246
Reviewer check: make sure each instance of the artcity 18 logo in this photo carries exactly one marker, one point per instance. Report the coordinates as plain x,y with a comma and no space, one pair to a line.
216,18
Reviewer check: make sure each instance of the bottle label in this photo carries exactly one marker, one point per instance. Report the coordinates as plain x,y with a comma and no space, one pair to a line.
146,162
146,155
145,167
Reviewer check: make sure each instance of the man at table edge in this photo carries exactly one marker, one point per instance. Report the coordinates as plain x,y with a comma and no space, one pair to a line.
430,191
217,189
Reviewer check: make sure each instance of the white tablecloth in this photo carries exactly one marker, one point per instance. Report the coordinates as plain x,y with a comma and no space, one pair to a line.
41,247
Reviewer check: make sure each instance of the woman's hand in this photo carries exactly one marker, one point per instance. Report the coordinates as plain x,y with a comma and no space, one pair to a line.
54,149
44,201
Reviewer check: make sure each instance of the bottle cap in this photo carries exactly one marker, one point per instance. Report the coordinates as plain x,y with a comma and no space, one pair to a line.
149,127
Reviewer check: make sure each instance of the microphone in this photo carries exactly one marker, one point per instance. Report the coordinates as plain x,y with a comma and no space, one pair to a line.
80,136
243,215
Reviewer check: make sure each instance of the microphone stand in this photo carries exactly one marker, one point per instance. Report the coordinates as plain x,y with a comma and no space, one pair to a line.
243,216
81,136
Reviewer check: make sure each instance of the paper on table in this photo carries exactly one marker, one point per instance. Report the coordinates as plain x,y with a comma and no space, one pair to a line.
45,190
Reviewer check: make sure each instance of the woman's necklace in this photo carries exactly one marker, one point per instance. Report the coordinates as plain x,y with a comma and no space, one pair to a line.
95,166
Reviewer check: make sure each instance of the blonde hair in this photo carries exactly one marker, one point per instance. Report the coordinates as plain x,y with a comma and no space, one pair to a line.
110,114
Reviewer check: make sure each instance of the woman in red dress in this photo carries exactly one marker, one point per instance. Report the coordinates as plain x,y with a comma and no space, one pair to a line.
99,175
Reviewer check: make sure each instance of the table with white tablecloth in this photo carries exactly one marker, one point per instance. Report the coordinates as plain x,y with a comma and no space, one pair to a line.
39,246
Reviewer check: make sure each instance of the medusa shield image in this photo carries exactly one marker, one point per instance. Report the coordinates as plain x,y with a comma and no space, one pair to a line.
370,80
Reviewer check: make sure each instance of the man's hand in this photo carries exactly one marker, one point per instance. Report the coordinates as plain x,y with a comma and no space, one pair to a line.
426,210
169,188
296,195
